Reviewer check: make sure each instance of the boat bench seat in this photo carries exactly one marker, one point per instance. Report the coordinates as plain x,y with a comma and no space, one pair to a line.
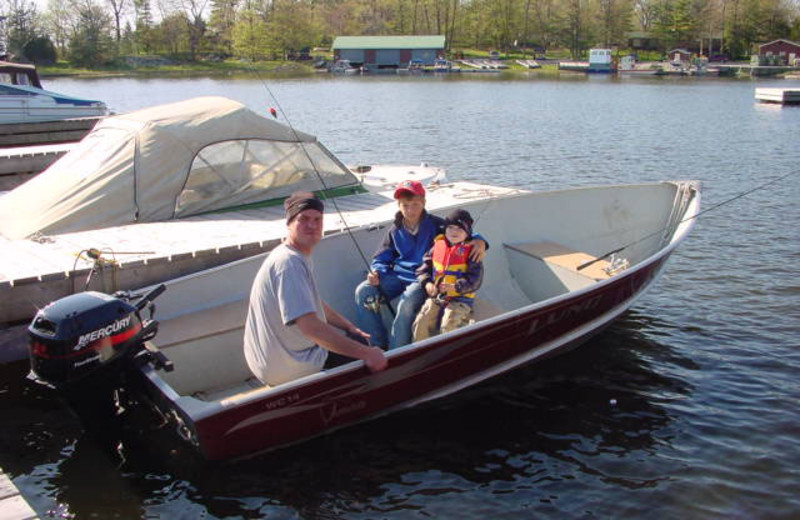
546,269
231,391
483,309
564,257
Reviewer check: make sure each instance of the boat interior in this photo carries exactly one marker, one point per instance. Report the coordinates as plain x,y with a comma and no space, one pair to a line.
539,243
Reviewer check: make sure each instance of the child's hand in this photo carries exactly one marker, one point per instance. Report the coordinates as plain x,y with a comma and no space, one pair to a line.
430,289
447,287
373,278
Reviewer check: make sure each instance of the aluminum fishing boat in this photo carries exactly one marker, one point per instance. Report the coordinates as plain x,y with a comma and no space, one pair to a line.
550,284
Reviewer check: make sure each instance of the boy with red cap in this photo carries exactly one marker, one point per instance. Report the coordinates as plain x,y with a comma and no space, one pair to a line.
393,268
450,279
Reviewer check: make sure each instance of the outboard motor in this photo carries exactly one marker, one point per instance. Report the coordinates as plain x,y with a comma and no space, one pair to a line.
84,345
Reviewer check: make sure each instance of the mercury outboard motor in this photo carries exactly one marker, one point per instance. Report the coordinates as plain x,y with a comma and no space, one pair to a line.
84,345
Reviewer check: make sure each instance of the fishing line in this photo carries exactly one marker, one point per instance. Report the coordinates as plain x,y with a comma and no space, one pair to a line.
325,188
712,208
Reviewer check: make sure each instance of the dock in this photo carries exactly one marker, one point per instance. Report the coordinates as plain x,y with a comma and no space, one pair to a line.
46,132
20,163
12,505
783,96
752,70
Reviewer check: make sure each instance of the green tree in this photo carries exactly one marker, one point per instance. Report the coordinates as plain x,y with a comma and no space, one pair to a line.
118,10
21,24
57,22
250,35
40,50
171,35
674,23
575,31
90,43
143,34
195,24
614,21
221,23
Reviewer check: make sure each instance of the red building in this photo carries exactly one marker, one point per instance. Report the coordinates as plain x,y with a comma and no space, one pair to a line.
788,50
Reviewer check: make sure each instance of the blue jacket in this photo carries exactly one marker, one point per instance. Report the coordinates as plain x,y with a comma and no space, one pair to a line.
402,252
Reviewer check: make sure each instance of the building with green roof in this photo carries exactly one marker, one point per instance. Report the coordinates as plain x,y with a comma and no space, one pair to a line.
386,52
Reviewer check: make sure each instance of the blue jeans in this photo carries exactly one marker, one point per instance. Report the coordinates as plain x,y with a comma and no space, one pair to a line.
412,296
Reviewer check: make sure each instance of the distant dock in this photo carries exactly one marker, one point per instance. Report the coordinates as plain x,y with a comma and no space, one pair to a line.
27,149
20,163
46,132
782,96
12,505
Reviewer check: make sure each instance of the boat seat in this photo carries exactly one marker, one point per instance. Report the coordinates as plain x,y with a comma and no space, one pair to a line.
564,257
483,309
227,392
543,270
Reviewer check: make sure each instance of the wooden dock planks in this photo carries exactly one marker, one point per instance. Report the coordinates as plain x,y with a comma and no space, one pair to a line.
783,96
12,505
34,273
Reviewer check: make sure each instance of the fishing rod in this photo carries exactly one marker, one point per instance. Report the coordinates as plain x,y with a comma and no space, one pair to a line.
696,215
325,188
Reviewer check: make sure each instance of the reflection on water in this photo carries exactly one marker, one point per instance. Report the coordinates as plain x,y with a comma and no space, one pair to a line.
687,407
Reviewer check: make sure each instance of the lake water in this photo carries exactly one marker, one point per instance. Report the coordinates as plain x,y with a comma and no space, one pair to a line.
688,407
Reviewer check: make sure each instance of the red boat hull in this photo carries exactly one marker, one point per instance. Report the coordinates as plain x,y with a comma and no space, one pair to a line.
415,374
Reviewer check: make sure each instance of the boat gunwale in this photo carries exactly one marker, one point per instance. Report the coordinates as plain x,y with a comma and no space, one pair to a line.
201,409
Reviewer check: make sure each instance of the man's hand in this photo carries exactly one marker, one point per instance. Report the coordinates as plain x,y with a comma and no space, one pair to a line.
373,278
375,359
478,250
358,333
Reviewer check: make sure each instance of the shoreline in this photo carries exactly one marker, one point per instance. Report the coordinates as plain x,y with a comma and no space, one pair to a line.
549,70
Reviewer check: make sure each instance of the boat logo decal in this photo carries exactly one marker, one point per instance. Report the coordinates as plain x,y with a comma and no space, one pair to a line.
334,409
282,401
567,312
103,332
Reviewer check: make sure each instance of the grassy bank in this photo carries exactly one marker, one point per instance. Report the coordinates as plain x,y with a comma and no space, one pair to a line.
200,68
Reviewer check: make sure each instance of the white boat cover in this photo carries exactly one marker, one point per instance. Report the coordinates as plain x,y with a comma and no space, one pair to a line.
170,161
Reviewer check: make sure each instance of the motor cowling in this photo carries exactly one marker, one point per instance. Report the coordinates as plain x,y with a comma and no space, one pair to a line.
87,336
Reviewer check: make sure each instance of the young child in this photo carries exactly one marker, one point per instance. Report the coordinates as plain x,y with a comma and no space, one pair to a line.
450,279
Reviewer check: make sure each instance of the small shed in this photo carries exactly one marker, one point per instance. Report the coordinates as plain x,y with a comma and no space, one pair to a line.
787,50
641,41
388,51
679,56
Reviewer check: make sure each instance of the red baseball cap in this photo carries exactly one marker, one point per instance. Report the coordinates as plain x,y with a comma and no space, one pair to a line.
410,188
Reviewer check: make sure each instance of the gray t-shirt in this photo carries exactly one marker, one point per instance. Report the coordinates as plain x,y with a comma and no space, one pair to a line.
284,289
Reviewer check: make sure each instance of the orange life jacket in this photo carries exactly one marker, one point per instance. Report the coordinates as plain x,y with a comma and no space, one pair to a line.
449,263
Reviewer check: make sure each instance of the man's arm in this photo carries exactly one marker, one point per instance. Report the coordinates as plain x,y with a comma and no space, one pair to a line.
342,323
326,336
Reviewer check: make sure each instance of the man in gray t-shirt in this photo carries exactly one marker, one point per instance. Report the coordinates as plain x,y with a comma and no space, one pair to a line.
289,329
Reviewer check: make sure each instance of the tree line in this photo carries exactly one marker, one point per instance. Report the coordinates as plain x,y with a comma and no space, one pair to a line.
91,33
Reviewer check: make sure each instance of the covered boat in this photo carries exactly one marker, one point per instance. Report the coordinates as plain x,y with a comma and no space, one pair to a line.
23,100
549,285
168,190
